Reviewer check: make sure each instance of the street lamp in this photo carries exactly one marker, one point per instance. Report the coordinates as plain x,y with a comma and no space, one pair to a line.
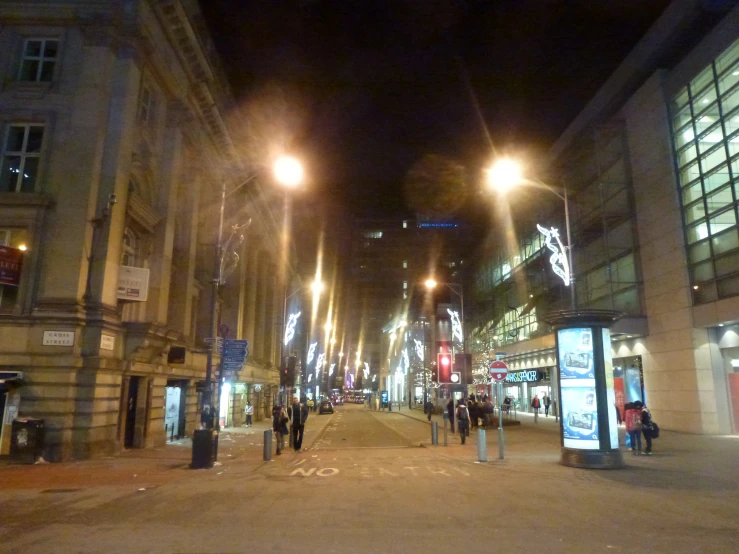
317,287
505,174
288,171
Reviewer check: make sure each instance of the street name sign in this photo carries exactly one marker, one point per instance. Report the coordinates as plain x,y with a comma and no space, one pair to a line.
498,370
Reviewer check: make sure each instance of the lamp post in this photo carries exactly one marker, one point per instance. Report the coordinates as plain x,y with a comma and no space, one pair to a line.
505,174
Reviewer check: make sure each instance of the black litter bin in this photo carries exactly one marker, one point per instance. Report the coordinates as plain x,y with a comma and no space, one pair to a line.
204,448
27,440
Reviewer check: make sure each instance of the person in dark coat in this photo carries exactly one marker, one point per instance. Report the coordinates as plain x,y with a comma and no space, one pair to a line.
450,412
472,408
298,414
207,418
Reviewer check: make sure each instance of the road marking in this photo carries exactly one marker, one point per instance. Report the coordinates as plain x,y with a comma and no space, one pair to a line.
327,471
303,472
366,472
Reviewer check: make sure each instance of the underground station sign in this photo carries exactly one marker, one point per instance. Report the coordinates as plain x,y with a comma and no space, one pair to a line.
498,370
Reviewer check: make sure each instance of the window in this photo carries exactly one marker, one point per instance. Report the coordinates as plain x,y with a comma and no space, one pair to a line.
705,118
147,106
405,264
39,59
405,285
405,224
373,234
20,158
14,238
131,249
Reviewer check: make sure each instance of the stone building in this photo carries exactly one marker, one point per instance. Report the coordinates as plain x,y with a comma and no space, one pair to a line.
104,306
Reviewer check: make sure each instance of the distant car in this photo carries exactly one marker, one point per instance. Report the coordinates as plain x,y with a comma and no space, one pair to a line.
326,407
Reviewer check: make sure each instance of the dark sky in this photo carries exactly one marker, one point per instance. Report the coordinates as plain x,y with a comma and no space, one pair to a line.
361,89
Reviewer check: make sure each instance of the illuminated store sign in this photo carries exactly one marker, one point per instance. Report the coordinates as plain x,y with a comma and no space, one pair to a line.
558,259
529,376
290,327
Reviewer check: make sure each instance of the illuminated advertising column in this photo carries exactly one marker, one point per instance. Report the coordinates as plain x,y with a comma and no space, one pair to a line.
586,392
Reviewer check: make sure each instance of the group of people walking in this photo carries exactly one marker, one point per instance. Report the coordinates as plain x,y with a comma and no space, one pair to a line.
291,420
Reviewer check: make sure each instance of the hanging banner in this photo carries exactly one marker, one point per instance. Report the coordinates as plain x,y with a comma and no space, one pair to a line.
10,266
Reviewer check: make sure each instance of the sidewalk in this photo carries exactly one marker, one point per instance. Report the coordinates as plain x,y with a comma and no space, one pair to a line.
700,456
239,448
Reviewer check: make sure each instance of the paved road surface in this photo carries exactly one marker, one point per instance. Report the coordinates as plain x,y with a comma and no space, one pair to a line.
364,485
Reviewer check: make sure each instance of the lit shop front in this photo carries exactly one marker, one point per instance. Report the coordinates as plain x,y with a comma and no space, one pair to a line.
523,386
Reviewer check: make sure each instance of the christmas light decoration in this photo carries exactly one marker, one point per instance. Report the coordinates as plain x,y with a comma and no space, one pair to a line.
558,260
290,327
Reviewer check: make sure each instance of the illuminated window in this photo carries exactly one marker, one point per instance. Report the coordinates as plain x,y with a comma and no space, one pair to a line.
39,59
405,264
14,238
20,158
373,234
405,284
705,134
405,224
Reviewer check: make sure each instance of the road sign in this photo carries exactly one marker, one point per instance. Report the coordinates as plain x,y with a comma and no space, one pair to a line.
498,370
233,366
235,351
219,344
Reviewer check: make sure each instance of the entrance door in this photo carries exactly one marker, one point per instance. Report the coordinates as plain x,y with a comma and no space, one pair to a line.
133,394
172,412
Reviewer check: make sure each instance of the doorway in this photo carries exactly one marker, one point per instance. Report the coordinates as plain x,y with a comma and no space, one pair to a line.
131,405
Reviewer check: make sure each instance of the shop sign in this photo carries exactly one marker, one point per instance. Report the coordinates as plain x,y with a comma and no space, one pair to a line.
529,376
10,266
58,338
107,342
133,283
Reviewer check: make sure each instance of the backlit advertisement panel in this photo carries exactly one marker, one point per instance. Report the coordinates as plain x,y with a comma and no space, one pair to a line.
577,381
610,389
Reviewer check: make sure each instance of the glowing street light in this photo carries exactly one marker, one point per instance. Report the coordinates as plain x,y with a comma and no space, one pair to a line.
328,327
430,284
317,287
504,174
288,171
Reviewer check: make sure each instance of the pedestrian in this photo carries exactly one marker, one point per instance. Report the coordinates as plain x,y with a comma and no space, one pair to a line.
249,411
311,404
279,427
472,408
450,413
298,414
618,414
536,404
463,420
647,426
547,403
632,417
488,410
429,408
207,418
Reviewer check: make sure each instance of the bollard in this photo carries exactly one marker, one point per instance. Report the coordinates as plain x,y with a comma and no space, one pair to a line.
482,446
390,406
268,445
434,433
446,418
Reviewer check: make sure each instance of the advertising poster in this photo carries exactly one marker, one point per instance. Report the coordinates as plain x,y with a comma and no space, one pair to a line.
576,354
577,380
610,388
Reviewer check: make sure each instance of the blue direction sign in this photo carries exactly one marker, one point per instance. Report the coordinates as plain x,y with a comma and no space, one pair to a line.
232,366
235,352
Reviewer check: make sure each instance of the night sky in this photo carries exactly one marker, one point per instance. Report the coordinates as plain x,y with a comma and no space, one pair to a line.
361,89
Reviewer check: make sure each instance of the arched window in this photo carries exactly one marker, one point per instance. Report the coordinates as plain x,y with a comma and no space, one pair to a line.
131,249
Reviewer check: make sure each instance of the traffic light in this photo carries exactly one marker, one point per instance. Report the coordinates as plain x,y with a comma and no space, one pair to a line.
463,366
444,367
290,371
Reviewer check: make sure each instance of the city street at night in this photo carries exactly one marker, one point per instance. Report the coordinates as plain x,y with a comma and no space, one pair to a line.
471,265
365,485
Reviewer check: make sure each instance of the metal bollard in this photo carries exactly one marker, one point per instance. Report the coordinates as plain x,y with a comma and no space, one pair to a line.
482,446
268,445
434,433
446,418
390,406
